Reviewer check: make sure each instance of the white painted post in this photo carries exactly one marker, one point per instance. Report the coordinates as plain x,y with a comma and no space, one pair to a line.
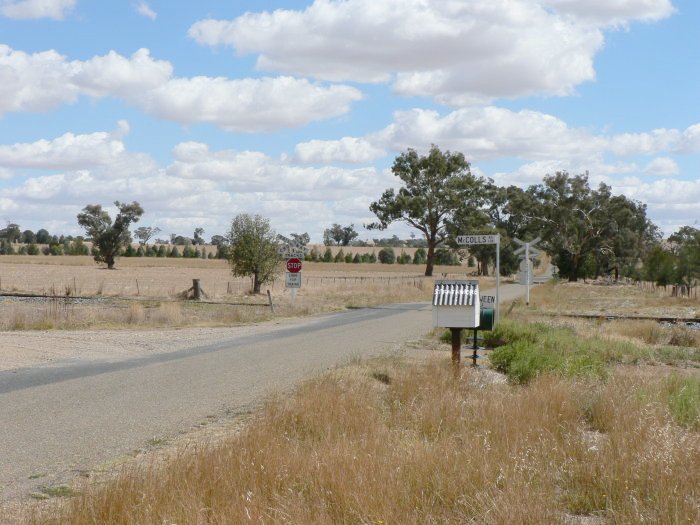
527,274
498,278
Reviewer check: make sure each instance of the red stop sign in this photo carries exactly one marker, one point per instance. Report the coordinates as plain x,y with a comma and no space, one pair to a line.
294,265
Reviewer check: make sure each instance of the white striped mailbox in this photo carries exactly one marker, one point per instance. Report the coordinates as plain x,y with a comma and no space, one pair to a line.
456,304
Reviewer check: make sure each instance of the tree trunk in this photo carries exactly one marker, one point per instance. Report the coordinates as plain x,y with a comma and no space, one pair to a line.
573,274
256,283
430,260
110,262
484,267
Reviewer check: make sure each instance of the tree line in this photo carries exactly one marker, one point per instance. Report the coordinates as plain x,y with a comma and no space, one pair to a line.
588,232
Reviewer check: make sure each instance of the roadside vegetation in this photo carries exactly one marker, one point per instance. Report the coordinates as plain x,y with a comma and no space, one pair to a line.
572,423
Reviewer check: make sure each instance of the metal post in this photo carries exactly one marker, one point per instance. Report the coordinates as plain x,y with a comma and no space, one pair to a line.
456,347
498,278
527,274
475,356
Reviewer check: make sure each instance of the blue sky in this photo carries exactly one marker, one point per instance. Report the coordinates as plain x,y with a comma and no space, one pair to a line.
296,109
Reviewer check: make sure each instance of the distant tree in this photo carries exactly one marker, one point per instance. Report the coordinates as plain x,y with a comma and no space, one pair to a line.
253,249
216,240
327,255
333,235
434,187
162,251
28,237
145,233
107,237
339,257
11,233
43,237
198,239
174,252
180,240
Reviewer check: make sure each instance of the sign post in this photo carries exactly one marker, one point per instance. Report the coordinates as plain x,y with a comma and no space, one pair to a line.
526,250
294,252
468,240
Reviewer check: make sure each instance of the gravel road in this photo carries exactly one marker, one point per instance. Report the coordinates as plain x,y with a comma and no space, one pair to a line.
88,406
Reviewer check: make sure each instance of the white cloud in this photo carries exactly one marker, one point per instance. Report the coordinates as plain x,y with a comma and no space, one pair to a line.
145,10
42,81
662,167
488,133
68,151
347,150
28,9
614,12
458,52
248,105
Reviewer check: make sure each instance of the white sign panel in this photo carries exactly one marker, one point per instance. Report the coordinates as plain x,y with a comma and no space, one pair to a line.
289,252
477,239
487,301
525,272
292,280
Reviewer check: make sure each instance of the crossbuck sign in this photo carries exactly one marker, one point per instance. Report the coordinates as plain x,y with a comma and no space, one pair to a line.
472,239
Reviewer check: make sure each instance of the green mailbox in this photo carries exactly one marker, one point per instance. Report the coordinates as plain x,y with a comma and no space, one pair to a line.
486,318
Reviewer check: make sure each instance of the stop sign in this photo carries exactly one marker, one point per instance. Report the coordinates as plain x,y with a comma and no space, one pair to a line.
293,265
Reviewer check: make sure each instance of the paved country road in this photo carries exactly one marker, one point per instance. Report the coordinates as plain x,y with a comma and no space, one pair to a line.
58,421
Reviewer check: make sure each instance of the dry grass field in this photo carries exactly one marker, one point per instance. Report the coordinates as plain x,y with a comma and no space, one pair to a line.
147,292
595,422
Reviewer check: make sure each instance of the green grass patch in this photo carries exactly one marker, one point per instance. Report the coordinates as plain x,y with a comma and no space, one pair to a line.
684,400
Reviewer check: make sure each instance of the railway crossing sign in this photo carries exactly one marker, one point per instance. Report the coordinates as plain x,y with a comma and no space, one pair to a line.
526,251
475,238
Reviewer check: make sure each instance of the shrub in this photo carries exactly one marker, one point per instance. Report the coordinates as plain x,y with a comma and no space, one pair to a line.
348,258
32,249
420,257
339,257
327,256
162,251
387,256
404,258
56,249
174,252
357,259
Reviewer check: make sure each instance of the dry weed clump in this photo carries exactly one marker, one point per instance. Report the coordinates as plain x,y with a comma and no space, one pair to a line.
398,443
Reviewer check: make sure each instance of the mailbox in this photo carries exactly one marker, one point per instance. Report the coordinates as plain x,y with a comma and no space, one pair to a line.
486,319
456,304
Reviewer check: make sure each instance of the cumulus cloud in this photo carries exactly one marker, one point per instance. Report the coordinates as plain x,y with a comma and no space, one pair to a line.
662,167
68,151
145,10
347,150
457,52
613,12
28,9
42,81
248,105
488,133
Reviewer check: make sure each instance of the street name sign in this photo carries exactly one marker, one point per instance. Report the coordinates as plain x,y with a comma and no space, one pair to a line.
466,240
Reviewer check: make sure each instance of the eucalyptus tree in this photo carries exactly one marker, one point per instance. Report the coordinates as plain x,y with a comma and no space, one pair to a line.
434,187
109,237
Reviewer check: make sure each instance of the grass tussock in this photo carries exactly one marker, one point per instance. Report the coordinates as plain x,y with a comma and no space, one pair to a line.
400,443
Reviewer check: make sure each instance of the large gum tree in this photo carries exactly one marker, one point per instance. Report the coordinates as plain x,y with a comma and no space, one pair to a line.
434,187
109,238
